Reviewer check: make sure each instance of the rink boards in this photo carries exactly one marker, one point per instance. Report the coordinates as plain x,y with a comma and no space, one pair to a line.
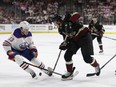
47,28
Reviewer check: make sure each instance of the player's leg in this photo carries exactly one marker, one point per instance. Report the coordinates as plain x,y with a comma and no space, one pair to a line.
69,62
29,55
99,40
39,63
15,56
87,51
20,61
69,65
92,61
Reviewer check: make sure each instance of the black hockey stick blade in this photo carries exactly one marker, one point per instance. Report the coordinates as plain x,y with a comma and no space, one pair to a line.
91,74
97,74
110,38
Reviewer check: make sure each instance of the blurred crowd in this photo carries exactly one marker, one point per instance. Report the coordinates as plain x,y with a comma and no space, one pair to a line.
41,11
104,11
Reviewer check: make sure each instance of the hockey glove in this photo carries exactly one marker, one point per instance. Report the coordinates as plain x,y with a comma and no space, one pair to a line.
63,45
34,52
102,31
11,54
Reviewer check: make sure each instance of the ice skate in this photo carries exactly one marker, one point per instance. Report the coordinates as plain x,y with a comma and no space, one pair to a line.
34,76
68,75
97,70
101,51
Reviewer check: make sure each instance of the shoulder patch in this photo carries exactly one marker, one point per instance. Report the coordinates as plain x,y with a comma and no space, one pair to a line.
17,33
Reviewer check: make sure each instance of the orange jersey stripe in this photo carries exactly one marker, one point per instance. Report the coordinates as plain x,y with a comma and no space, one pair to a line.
6,44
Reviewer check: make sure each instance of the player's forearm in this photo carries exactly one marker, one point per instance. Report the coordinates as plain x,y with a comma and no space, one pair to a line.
6,46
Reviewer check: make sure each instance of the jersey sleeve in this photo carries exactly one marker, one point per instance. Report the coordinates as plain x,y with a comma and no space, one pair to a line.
30,41
6,45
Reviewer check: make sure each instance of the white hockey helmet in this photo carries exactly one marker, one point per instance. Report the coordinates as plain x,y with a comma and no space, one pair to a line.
24,25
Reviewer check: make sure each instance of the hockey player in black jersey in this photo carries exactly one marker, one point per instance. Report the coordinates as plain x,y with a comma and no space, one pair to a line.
75,36
97,31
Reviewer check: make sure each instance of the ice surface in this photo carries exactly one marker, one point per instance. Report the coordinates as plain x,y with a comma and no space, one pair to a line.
11,75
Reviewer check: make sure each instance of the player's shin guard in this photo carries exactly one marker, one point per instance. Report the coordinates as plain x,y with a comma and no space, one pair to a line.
20,61
41,65
96,66
38,62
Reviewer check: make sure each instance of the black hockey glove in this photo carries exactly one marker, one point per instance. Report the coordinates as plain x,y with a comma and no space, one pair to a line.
63,45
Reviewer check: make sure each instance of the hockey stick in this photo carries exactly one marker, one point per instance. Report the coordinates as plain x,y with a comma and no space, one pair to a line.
57,61
104,36
92,74
95,34
43,68
58,57
110,38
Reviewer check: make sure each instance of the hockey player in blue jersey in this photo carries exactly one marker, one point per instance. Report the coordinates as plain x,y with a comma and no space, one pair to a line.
20,45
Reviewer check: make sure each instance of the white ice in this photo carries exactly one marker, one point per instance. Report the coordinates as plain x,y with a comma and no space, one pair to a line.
11,75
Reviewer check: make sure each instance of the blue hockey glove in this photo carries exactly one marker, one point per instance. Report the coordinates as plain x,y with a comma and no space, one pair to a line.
11,54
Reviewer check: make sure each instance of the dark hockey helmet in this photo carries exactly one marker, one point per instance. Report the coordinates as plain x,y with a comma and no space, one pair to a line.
67,17
74,17
57,18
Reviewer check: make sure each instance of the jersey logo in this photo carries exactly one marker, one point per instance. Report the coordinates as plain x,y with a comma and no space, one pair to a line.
24,45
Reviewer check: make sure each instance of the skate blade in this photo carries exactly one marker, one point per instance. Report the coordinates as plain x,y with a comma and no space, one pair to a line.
66,79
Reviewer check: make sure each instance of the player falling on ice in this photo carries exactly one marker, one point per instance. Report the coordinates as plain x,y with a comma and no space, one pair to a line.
20,45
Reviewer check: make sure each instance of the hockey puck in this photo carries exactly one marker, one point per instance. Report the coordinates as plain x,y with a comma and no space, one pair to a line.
50,74
40,74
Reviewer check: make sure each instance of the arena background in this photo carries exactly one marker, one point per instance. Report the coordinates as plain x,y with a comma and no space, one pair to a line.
41,11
